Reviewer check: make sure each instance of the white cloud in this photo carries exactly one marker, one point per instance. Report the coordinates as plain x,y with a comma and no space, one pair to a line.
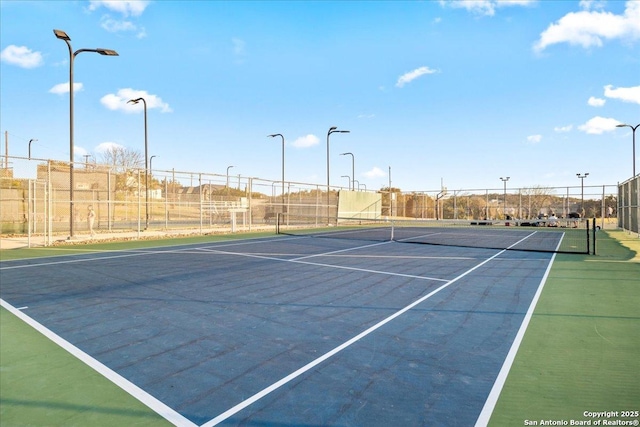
21,56
119,26
592,4
63,88
239,46
124,7
107,146
366,116
567,128
120,100
239,50
376,172
626,94
596,102
534,139
412,75
598,125
484,7
306,141
589,28
79,151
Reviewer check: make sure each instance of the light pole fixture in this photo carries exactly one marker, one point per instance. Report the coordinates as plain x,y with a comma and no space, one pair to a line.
281,136
633,129
504,202
151,164
348,180
228,167
582,177
107,52
30,141
146,159
353,169
332,129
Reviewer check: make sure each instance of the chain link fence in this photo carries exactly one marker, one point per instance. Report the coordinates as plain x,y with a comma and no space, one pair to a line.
629,205
36,199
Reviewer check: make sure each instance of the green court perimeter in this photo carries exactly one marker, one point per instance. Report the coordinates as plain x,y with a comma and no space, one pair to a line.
580,352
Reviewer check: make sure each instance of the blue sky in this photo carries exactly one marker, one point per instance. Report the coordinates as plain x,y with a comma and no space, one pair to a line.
460,92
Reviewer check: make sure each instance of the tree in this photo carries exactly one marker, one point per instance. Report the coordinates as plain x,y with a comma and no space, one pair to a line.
122,159
124,162
538,200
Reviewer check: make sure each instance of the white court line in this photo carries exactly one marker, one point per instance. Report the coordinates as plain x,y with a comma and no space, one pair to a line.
240,406
129,253
492,399
364,256
154,404
342,250
71,261
318,264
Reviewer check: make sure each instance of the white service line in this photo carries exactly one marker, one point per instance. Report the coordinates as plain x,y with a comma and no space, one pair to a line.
342,250
319,264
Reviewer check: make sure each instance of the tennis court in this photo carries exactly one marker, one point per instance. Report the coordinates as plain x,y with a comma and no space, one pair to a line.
290,330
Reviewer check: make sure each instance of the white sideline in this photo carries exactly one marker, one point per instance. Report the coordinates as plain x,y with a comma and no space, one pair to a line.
492,399
154,404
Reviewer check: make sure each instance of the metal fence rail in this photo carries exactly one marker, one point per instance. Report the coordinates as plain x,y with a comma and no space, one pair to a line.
629,205
35,198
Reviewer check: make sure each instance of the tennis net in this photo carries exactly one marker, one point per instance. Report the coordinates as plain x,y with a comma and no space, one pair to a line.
565,236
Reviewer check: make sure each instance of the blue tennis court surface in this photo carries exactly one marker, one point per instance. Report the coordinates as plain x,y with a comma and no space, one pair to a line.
290,330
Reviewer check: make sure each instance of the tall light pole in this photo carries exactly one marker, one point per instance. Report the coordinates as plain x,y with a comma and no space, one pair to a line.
332,129
353,169
146,159
107,52
151,165
504,202
281,136
582,177
390,196
228,167
633,129
30,141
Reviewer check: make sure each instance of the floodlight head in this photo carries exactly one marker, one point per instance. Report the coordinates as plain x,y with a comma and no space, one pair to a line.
107,52
344,131
134,101
61,35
